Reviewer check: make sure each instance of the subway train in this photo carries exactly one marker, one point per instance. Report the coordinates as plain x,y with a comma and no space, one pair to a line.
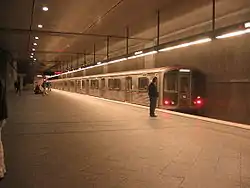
180,89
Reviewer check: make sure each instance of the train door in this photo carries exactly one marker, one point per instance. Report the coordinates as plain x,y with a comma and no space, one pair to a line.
87,87
128,89
184,89
76,86
103,87
83,87
79,84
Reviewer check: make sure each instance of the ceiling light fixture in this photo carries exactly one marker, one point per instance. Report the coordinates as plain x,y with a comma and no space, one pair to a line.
233,34
33,49
36,38
32,53
34,59
142,54
35,44
117,60
247,25
40,26
31,56
184,70
137,53
45,8
186,44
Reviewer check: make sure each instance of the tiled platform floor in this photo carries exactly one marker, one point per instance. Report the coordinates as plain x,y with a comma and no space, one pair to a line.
74,141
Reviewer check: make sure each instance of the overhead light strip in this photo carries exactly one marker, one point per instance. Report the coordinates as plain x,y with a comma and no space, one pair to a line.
137,53
117,60
142,55
101,64
233,34
205,40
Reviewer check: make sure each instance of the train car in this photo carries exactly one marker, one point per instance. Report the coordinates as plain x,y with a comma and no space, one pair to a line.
180,89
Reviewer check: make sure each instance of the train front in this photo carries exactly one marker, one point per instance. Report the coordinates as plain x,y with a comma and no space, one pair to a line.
184,90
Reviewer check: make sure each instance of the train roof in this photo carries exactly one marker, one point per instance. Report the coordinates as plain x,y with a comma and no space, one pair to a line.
133,72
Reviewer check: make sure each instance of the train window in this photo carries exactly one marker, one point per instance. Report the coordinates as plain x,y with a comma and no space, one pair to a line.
94,84
171,81
184,84
111,84
117,84
78,84
114,84
143,83
102,83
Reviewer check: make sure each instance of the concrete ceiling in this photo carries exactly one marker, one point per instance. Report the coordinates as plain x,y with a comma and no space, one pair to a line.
61,37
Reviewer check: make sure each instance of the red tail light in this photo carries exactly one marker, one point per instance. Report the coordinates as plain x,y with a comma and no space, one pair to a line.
168,102
198,101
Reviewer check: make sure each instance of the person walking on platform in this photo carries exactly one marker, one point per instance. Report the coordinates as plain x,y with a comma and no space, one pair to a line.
18,87
3,117
153,95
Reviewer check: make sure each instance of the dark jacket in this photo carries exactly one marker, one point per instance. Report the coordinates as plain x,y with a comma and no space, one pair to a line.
3,101
152,90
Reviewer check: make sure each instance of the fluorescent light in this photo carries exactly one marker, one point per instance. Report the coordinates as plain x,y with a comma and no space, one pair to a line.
186,44
141,55
132,57
117,60
31,56
148,53
33,49
40,26
39,76
233,34
34,59
184,70
247,25
36,38
32,53
45,9
137,53
35,44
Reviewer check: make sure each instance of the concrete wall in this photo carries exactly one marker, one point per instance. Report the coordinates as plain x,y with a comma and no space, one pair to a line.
97,70
128,65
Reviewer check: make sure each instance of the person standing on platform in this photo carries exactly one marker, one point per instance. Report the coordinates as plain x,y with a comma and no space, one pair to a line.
3,117
153,95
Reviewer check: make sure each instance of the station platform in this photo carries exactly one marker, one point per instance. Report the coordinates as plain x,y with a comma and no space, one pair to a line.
71,140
